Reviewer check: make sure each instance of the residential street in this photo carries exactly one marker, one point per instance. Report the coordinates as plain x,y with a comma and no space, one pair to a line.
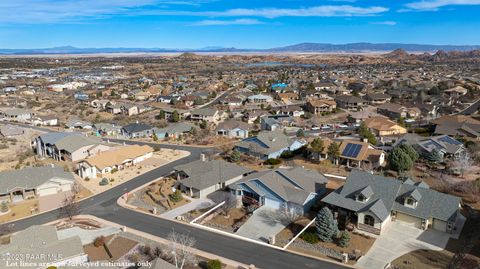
104,206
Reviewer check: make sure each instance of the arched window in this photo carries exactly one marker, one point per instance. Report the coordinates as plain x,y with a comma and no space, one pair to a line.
368,220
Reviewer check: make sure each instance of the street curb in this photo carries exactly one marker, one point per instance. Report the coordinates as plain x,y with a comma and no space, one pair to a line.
121,202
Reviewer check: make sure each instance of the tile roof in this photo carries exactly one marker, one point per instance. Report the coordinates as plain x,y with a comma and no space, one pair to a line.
118,155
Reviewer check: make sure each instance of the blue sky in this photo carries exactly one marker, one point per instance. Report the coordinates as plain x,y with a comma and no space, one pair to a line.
234,23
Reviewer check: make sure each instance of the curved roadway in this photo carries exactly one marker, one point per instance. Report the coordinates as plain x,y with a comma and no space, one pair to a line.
104,205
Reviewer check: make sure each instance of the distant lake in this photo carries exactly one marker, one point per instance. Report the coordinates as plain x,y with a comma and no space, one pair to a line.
274,64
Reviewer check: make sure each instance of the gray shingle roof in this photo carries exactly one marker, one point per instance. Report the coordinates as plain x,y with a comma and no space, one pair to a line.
266,142
204,174
392,192
31,177
41,244
292,185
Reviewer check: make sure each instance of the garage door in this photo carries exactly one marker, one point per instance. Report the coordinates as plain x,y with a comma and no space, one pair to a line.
439,225
407,219
273,203
47,191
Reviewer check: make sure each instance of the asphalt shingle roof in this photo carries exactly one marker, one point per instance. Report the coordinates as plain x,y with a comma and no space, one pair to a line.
430,203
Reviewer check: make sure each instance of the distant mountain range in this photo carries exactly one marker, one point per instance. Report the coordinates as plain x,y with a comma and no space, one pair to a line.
297,48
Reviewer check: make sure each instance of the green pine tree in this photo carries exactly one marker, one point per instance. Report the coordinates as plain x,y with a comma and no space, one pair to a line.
344,239
326,225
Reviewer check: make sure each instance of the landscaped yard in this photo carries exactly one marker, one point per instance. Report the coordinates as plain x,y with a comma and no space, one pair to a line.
359,243
158,195
158,159
235,218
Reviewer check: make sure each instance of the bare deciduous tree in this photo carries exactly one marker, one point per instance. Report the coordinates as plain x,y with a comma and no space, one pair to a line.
69,207
180,249
463,163
290,213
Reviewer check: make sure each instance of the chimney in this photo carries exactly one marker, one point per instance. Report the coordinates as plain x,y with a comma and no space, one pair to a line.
203,157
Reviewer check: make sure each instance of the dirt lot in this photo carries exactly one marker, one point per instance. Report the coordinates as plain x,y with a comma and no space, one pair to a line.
158,159
20,210
15,152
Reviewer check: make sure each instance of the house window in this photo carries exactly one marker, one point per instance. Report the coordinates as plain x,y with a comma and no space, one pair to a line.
361,198
409,202
369,220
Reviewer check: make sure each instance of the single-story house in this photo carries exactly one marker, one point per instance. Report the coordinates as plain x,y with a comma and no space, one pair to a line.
233,129
260,98
381,127
446,146
371,202
173,130
40,244
103,128
208,115
48,120
202,177
460,125
78,124
357,153
268,145
16,114
136,130
396,111
275,122
114,159
18,185
295,187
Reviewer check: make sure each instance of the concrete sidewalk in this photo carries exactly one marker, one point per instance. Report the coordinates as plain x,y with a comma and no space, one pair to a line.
86,236
194,204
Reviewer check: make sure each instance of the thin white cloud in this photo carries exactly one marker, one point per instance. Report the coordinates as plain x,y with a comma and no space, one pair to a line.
317,11
52,11
433,5
74,11
227,22
389,23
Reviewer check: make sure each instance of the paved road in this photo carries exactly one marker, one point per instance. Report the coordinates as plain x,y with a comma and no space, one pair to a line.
104,206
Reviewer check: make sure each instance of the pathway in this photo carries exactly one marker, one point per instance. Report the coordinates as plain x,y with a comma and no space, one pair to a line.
194,204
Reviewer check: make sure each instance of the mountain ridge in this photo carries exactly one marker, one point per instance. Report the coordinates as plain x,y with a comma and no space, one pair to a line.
300,47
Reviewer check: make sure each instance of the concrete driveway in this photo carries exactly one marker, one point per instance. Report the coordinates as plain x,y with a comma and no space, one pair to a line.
399,239
194,204
262,225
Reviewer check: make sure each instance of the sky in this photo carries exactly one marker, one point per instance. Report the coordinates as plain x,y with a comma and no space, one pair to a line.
259,24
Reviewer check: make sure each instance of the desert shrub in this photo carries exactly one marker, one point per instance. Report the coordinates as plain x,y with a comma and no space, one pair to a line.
344,239
103,182
273,161
310,236
176,196
214,264
99,241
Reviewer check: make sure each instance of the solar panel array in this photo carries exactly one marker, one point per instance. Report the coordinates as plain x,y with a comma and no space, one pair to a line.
449,140
351,150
